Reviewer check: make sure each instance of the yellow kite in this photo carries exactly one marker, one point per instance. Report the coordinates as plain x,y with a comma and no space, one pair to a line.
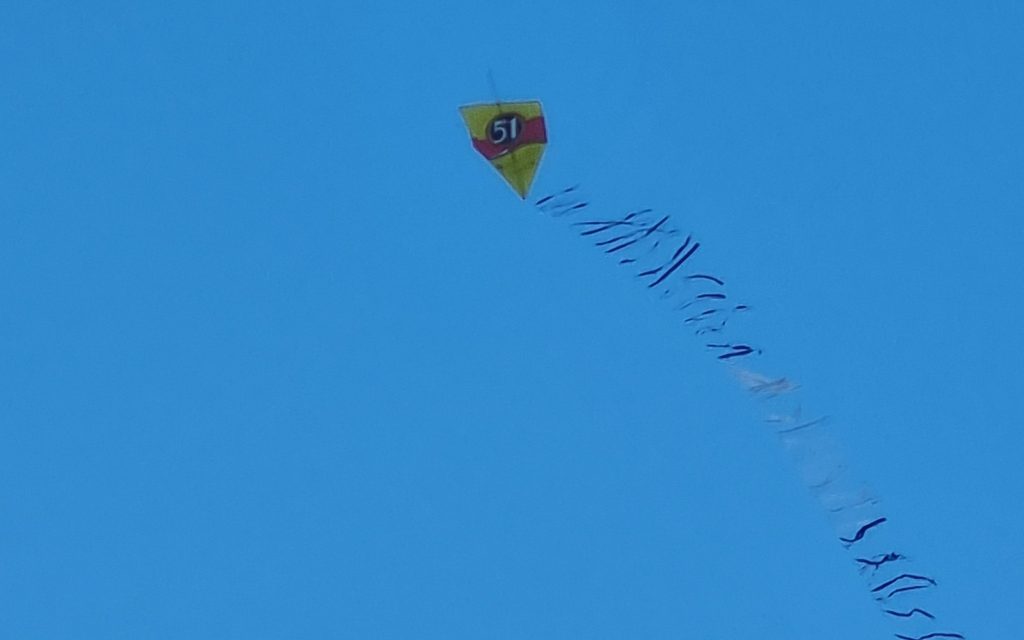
511,135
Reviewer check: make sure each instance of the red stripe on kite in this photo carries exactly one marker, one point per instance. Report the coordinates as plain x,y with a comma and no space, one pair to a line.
534,132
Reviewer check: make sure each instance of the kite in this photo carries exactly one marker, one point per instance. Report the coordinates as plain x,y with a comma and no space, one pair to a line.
649,246
511,136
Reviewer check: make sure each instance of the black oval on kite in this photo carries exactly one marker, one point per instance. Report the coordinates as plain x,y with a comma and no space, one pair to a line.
505,128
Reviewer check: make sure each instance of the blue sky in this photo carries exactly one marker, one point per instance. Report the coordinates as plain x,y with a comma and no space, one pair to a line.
282,357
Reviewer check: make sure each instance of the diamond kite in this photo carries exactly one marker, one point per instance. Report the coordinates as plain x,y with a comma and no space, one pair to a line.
511,135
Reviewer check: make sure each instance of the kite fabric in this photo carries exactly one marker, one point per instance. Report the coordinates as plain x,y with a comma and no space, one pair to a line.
511,136
665,260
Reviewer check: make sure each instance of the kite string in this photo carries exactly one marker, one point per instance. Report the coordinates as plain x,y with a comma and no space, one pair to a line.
494,87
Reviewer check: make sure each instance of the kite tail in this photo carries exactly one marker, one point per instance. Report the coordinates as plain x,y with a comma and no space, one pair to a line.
656,252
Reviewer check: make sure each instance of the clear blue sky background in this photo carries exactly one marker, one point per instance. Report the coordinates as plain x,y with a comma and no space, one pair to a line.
281,357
